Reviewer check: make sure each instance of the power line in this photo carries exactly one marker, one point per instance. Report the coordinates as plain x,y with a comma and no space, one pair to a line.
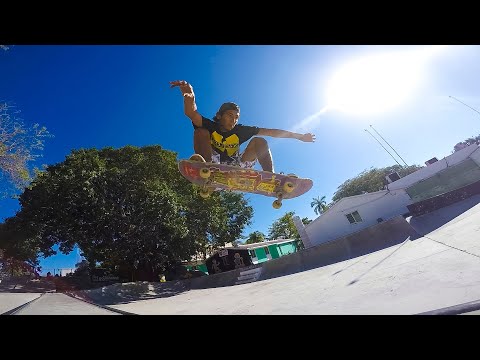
389,145
383,147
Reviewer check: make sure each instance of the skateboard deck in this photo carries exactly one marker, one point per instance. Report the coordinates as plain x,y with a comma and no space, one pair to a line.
212,177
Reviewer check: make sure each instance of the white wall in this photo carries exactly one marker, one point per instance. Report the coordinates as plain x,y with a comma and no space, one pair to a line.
65,272
334,223
381,204
432,169
476,156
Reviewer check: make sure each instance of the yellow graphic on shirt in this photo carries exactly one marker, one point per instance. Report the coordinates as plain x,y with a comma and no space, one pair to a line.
230,144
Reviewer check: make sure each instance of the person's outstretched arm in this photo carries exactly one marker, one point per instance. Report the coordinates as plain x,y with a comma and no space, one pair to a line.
189,105
309,137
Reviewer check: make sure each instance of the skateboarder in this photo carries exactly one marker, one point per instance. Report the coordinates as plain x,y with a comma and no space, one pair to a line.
218,140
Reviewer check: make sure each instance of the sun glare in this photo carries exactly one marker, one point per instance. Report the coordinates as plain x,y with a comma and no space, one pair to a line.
378,83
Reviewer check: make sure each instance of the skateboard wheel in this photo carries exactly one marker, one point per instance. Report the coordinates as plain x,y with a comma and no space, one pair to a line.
293,176
205,173
277,204
288,187
205,193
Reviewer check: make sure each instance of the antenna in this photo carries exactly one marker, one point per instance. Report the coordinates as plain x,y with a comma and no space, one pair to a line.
464,104
383,147
389,145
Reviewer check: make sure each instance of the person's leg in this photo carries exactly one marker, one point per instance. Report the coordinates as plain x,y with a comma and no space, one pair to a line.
201,143
258,148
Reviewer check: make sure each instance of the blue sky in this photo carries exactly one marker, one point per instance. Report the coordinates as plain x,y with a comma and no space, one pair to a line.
104,95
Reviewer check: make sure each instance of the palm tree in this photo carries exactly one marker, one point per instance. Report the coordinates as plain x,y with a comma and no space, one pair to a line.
319,205
255,237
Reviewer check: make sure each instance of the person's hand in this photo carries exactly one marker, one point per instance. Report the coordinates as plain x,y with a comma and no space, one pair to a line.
307,137
184,86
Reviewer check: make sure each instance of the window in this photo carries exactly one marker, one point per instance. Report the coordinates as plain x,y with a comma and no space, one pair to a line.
252,253
354,217
267,251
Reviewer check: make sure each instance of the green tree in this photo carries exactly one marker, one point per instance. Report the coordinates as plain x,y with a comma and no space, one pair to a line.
306,221
371,180
128,208
16,244
284,228
19,145
255,237
217,220
319,205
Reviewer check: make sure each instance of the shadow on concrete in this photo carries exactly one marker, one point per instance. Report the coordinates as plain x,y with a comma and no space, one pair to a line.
26,286
129,292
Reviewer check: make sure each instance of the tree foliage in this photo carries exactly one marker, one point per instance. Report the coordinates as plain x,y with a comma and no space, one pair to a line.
217,220
371,180
284,228
19,145
16,247
127,208
255,237
467,142
319,205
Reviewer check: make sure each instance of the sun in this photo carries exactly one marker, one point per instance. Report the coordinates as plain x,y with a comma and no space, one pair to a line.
377,83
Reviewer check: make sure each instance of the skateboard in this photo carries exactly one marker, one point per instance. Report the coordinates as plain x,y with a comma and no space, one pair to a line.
216,177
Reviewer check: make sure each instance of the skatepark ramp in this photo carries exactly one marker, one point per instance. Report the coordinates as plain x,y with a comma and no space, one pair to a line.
388,233
434,274
426,223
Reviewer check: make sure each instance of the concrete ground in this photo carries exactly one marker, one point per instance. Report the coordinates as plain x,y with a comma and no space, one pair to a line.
437,273
61,304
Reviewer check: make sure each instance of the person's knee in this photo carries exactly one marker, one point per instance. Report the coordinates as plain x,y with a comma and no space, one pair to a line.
260,143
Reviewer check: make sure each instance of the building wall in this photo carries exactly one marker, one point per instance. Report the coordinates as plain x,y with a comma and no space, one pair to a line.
274,251
451,178
334,223
287,248
443,200
430,170
200,267
301,231
65,272
261,255
231,259
475,156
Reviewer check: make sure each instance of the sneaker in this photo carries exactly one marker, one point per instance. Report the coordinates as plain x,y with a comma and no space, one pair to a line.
197,157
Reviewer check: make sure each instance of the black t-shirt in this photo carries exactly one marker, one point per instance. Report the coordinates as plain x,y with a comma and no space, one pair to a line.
227,144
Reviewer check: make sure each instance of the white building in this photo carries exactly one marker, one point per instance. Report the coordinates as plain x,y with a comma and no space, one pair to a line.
355,213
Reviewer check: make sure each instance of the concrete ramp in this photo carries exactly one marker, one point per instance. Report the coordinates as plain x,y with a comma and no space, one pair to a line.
373,238
427,223
378,271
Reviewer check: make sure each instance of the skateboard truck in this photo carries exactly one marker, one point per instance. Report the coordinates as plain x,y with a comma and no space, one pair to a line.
277,204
